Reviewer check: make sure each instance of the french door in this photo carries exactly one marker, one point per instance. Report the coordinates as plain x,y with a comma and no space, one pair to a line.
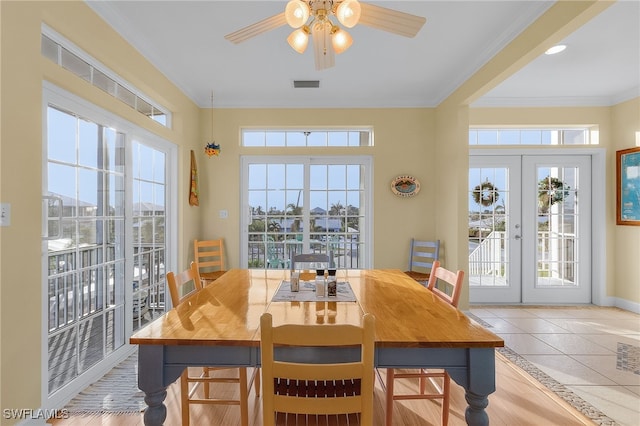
306,204
530,229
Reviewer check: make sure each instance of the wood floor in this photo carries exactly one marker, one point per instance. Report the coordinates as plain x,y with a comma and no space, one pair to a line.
518,401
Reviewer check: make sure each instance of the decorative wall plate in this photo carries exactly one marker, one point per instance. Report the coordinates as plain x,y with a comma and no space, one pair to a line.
405,186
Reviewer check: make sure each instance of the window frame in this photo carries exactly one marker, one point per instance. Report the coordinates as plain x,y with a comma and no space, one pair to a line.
311,130
363,160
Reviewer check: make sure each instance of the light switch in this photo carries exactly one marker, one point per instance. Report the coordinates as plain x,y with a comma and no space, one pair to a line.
5,214
223,214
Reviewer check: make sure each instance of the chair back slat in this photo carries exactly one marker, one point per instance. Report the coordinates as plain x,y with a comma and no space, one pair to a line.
312,260
350,384
452,280
423,254
183,284
209,258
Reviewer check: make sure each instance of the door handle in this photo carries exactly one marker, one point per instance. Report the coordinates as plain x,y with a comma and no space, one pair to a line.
517,237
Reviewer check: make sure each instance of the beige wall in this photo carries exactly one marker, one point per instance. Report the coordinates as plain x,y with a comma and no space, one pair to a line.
451,163
23,71
625,122
404,144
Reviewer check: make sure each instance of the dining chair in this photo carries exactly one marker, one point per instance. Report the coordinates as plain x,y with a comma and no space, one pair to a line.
422,254
311,260
273,257
345,387
440,380
209,258
181,286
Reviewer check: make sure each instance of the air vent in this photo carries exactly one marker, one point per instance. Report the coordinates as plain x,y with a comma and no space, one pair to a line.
306,84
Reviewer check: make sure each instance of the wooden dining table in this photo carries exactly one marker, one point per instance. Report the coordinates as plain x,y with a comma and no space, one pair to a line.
220,326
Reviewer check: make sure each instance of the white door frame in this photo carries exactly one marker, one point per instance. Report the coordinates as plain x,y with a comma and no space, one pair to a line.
598,209
54,95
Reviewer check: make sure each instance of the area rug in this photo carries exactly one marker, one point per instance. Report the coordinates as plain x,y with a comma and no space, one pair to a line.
116,393
550,383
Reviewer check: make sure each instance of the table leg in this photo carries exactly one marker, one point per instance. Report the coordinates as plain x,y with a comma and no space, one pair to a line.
479,380
156,412
153,380
475,414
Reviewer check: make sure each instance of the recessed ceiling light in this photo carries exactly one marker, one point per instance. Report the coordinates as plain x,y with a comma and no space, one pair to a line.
555,49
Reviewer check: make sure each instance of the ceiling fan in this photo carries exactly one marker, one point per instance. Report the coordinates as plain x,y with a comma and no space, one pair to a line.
316,18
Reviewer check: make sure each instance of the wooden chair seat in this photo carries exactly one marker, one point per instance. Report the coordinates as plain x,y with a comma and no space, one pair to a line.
418,276
211,276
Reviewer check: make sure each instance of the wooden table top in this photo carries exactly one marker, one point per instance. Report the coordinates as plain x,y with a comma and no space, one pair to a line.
227,312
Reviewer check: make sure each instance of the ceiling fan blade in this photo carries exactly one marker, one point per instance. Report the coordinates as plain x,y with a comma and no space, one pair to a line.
390,20
256,29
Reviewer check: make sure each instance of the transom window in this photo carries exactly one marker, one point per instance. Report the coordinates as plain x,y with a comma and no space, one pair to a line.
347,137
531,136
68,56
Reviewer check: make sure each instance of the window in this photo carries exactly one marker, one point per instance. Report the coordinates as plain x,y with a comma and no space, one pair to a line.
306,204
307,137
98,75
85,250
149,217
533,136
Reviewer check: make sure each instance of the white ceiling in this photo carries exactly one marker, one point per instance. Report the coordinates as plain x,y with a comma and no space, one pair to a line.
185,41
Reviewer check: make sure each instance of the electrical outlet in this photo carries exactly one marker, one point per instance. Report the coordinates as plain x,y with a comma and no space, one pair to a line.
5,214
223,214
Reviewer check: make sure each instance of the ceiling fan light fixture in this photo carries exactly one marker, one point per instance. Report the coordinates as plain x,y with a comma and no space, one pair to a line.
297,13
299,39
348,13
322,45
340,39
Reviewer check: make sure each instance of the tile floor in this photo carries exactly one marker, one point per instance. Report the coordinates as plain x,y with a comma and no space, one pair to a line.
593,351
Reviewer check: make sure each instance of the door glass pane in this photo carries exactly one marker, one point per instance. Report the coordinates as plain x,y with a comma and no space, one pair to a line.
84,252
149,194
288,217
488,225
558,217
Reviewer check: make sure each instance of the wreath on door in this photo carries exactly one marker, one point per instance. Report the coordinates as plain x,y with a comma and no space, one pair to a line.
551,190
485,194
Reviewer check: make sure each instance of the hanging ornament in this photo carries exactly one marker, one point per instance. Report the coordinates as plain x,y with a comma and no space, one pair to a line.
212,148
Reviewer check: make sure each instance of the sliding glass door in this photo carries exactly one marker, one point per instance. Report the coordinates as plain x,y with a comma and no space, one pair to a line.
105,192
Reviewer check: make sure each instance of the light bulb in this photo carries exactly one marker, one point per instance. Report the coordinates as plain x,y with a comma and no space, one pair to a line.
299,39
340,39
348,13
296,13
